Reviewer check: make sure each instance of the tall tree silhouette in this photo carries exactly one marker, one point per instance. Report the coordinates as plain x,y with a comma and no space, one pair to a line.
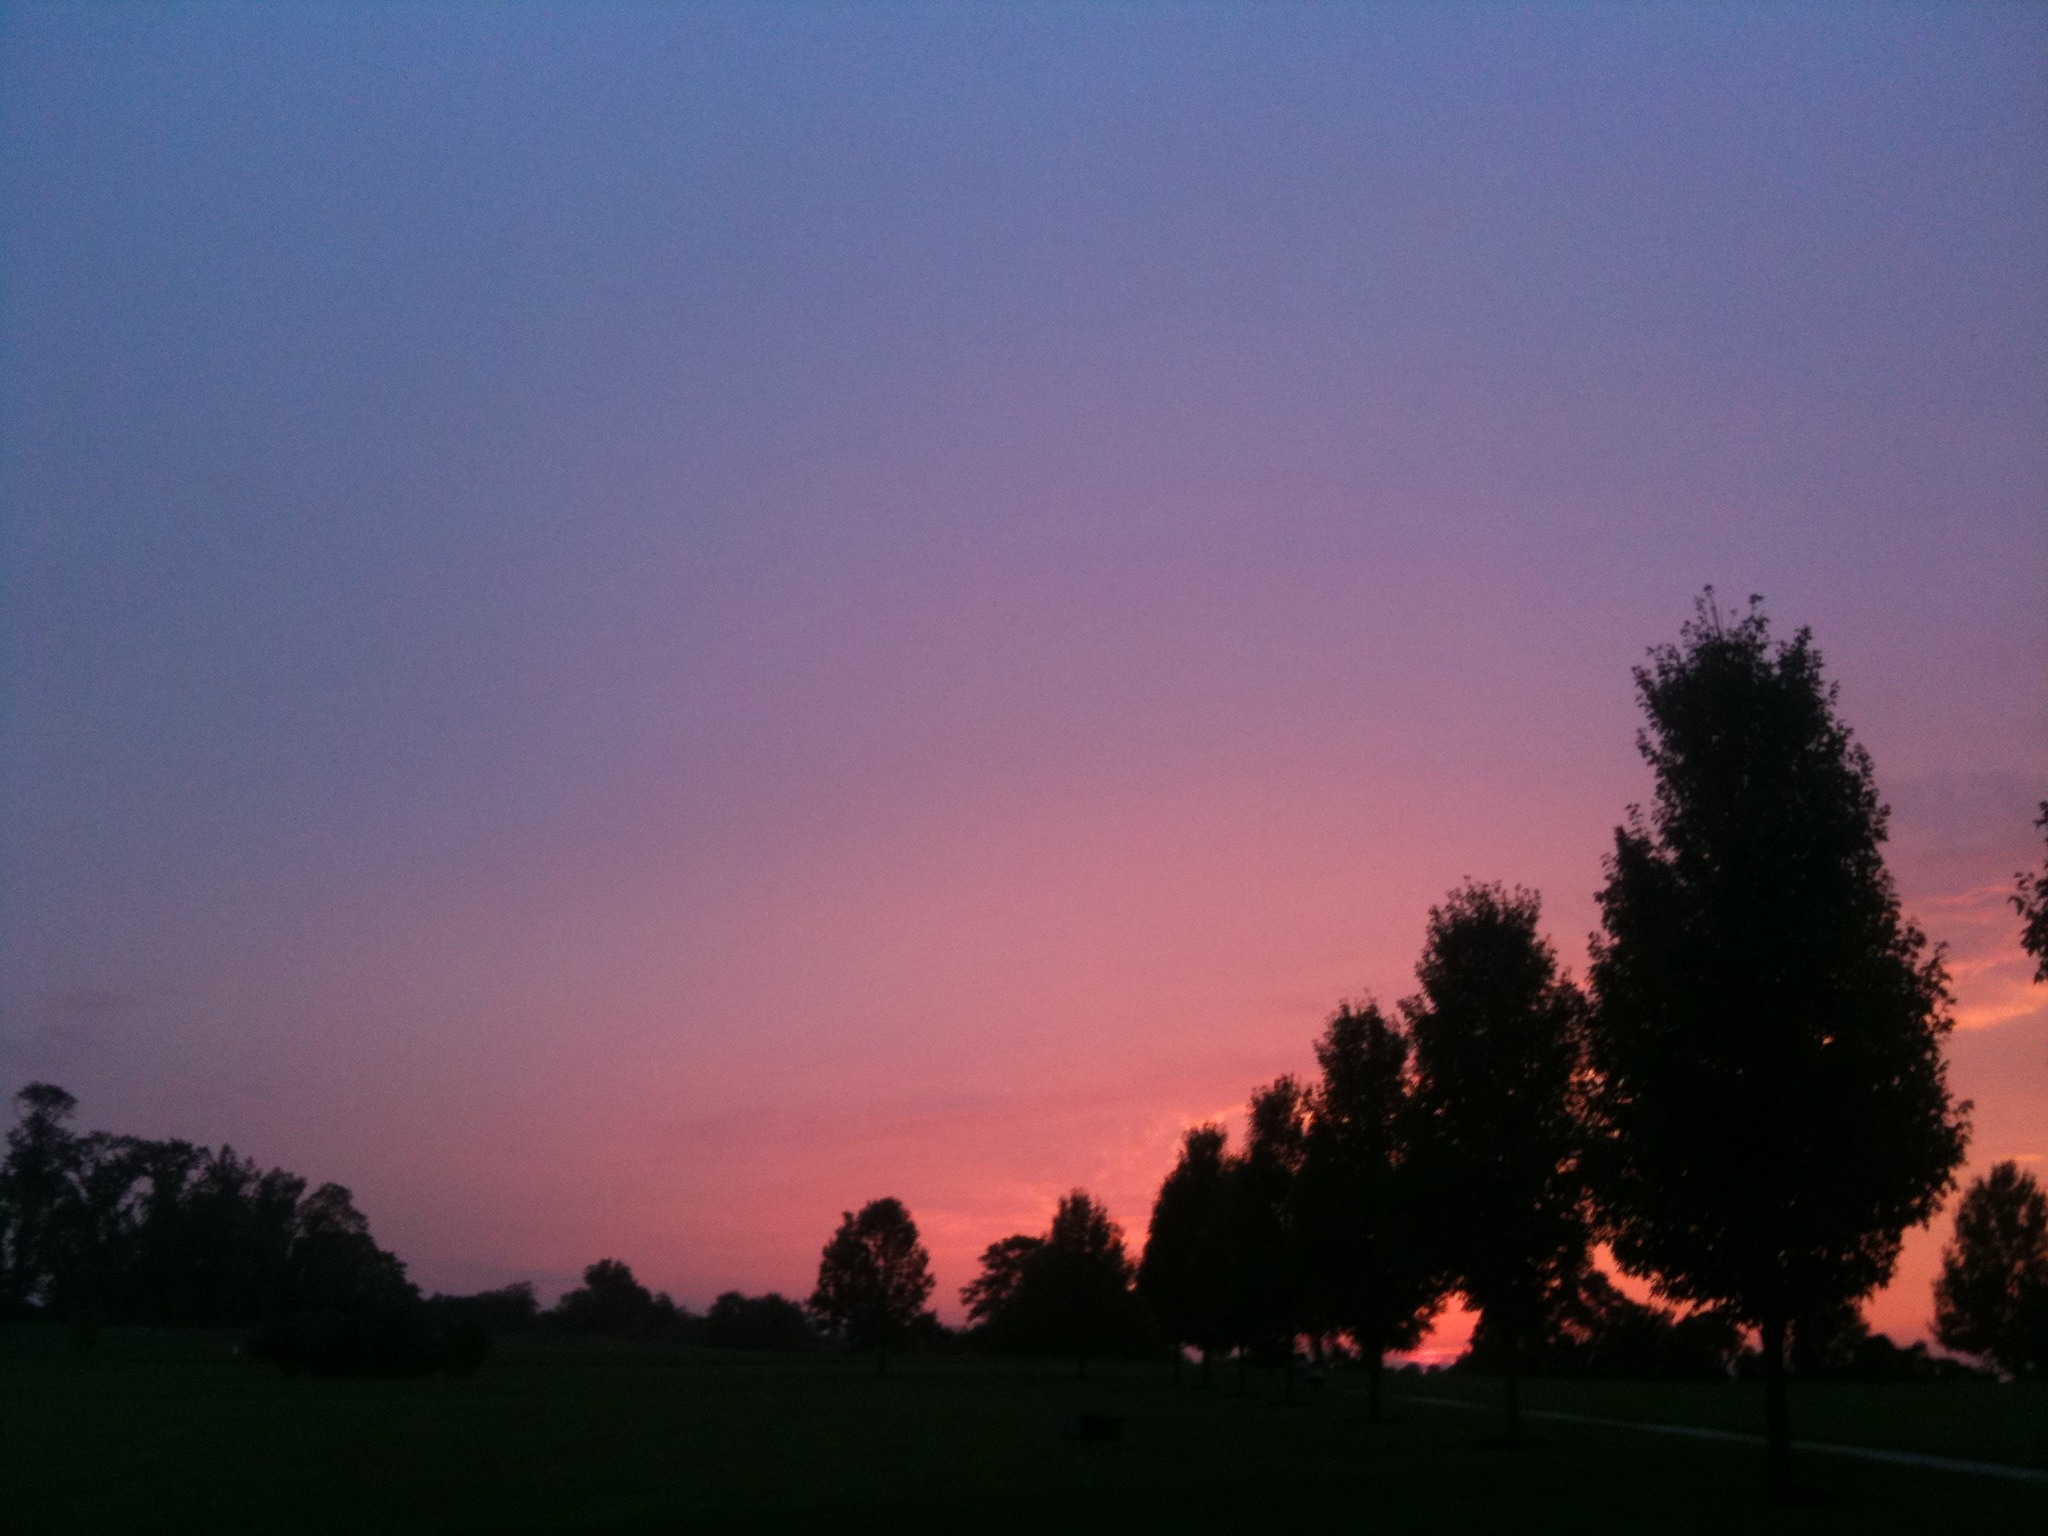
1171,1281
1368,1272
38,1191
873,1278
1252,1251
1068,1292
1992,1295
1768,1030
2030,899
1500,1115
1085,1277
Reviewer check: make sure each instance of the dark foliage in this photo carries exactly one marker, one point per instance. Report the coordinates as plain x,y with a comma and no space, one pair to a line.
1871,1357
1837,1345
1991,1299
513,1309
756,1322
1066,1293
1367,1271
2030,899
1589,1329
613,1304
1500,1125
1172,1281
1768,1032
874,1278
129,1230
1312,1232
1080,1283
991,1296
43,1199
928,1336
1257,1239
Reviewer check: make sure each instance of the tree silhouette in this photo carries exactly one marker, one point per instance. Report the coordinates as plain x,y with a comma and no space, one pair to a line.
991,1298
874,1277
1260,1194
1768,1030
1991,1299
510,1309
2030,899
1500,1116
166,1232
1068,1292
1244,1282
611,1301
1085,1278
1368,1272
38,1193
100,1227
1591,1329
1171,1281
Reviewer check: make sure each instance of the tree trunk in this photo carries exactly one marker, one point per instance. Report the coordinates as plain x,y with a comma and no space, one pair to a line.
1243,1386
1372,1384
1177,1363
1205,1367
1081,1366
881,1359
1777,1411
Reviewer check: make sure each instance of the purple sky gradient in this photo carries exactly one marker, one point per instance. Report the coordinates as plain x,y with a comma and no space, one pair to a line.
625,627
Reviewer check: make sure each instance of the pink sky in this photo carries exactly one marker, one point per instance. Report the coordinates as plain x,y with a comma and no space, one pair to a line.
628,627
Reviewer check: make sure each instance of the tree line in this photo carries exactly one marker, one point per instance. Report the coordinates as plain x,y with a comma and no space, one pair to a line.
96,1225
1745,1104
97,1228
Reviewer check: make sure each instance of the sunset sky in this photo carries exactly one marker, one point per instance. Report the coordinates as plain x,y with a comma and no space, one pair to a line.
626,627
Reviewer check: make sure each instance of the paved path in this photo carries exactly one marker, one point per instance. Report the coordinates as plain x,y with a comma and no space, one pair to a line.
1865,1452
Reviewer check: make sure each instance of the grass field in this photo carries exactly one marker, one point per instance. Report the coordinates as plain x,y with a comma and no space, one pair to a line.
170,1432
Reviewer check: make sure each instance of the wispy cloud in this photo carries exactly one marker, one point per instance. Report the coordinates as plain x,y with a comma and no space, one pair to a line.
1993,978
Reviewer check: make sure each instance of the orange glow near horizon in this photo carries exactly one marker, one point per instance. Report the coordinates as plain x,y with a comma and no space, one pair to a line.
929,1047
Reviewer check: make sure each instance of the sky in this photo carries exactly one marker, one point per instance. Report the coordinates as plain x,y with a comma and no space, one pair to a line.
627,627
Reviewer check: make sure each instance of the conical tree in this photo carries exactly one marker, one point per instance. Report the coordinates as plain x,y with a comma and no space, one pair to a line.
1500,1115
1169,1274
37,1191
1768,1028
1368,1271
1085,1276
1260,1232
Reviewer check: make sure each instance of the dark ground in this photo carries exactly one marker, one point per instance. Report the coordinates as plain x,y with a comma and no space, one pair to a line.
172,1432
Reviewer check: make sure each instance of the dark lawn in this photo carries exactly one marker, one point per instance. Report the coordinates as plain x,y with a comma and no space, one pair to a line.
1969,1420
171,1432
